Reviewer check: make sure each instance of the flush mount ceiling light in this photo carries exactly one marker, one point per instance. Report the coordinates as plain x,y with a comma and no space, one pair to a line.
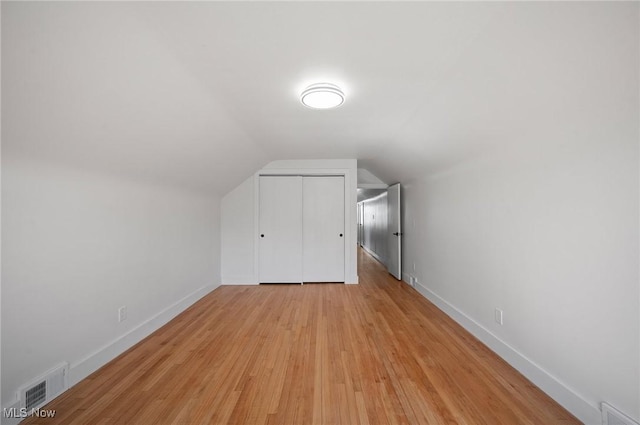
322,96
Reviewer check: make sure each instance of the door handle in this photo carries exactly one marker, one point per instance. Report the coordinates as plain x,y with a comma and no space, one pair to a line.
340,234
397,234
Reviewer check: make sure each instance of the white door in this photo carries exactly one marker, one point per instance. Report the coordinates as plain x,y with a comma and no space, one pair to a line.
360,224
394,232
280,229
323,229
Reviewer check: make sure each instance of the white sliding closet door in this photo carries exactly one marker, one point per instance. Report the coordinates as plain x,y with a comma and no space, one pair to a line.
280,229
323,229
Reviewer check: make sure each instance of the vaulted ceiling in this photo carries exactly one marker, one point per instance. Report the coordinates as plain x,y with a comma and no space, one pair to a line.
202,94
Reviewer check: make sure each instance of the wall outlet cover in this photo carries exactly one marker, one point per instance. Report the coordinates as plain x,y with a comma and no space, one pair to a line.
122,314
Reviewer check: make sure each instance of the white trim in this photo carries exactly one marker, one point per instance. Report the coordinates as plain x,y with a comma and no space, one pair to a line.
256,228
357,281
619,417
85,367
406,278
587,412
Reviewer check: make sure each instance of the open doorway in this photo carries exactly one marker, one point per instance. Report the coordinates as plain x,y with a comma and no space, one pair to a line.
379,226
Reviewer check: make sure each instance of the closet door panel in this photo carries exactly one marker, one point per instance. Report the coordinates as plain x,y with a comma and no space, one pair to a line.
280,227
323,229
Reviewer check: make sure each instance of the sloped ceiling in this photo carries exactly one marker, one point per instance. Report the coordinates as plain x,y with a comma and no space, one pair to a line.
202,94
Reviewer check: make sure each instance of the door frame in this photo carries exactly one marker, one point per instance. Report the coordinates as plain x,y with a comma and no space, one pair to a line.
394,235
350,211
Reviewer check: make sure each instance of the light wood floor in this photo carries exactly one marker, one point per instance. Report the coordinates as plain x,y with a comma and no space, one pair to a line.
374,353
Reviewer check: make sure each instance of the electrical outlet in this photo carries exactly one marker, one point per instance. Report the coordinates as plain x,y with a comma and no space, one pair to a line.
498,316
413,281
122,313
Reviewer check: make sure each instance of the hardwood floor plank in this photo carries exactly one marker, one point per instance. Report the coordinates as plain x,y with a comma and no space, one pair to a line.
373,353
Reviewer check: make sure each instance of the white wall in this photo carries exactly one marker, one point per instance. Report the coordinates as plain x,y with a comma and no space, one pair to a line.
76,246
367,180
375,227
239,265
549,234
238,235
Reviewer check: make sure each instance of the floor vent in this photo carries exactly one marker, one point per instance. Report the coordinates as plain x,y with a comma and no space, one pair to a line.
612,416
35,395
45,389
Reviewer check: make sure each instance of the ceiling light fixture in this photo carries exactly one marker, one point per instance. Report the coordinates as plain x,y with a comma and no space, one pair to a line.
322,96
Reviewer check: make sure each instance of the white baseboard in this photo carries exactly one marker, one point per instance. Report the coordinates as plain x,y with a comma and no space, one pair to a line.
85,367
585,411
355,282
373,254
10,421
